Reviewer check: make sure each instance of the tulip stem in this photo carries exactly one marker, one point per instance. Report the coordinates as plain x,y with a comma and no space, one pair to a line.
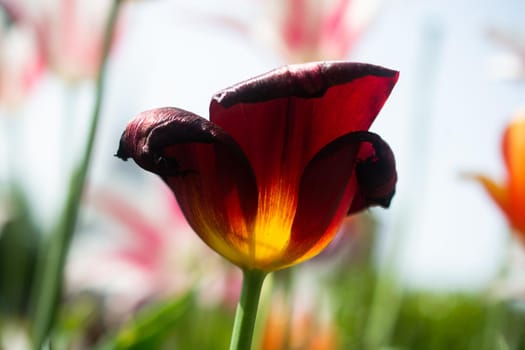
246,313
54,250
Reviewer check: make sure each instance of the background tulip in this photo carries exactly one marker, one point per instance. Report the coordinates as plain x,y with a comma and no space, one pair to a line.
509,195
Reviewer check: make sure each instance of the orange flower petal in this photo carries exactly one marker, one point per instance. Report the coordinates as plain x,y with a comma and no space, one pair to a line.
514,155
498,193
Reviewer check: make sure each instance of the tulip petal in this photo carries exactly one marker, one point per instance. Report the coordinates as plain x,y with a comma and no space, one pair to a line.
498,193
376,175
300,108
356,168
514,155
209,174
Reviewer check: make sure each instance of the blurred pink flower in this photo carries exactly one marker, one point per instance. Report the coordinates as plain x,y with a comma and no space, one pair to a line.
158,256
307,30
313,30
21,64
69,33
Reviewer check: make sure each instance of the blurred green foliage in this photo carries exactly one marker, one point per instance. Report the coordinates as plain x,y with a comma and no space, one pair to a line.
407,320
19,240
175,324
424,321
371,310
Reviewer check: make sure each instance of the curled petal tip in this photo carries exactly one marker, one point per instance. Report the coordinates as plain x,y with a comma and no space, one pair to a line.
375,173
377,176
150,134
123,150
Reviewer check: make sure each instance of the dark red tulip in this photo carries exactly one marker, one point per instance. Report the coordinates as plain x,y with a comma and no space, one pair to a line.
284,158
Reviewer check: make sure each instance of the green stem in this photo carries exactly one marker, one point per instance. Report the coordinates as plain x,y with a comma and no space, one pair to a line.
246,313
55,251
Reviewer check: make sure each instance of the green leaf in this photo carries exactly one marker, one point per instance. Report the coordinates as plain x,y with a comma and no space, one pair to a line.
19,239
152,326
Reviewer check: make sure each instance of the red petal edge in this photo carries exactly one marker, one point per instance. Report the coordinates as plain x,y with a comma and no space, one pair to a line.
301,80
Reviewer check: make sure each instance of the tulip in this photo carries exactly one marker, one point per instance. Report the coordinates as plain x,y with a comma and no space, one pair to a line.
21,65
71,34
284,158
68,33
269,178
307,30
314,29
510,194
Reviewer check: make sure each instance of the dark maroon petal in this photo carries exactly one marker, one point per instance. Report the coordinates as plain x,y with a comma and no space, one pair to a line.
357,166
376,175
147,136
283,118
300,80
210,176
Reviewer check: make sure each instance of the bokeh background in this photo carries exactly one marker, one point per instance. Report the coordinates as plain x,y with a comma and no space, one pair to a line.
462,80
